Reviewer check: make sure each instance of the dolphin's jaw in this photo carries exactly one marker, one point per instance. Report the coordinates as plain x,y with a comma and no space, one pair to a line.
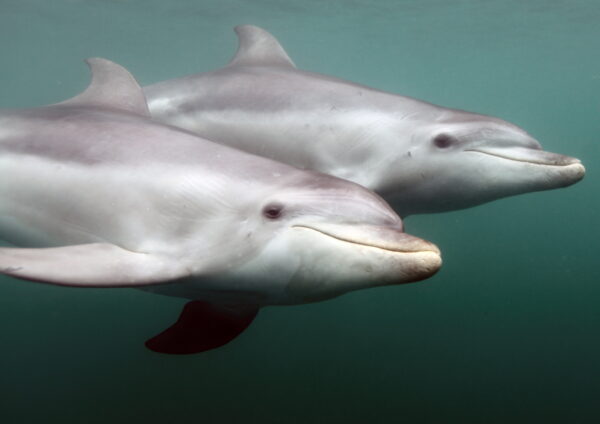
393,240
404,257
331,263
485,173
303,264
558,170
533,156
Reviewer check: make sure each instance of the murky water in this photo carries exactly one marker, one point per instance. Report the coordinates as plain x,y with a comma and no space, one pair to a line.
507,332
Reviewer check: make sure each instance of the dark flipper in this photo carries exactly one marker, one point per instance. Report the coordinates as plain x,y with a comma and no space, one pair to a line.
202,326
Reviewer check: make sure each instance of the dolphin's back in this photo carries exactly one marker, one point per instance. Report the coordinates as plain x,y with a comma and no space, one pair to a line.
307,120
119,169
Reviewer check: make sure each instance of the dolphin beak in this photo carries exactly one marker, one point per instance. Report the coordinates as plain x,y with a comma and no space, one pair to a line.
570,169
381,237
416,259
524,154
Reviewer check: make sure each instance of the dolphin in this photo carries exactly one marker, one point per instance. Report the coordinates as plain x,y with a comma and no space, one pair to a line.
96,194
420,157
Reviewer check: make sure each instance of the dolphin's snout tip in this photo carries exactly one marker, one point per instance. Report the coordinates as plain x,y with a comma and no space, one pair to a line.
579,170
433,264
573,173
424,265
425,257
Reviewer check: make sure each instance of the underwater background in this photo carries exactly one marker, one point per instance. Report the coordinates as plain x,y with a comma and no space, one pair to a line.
507,332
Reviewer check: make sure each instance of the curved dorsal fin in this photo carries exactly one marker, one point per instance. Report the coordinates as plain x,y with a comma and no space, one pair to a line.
259,48
111,86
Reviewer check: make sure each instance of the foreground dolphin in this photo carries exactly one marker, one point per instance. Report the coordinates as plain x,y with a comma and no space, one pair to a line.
117,200
422,158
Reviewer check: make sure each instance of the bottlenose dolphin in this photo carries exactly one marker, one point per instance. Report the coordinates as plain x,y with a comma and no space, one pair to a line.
99,195
422,158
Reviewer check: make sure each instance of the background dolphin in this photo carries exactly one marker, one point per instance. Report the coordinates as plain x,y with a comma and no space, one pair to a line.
109,198
421,157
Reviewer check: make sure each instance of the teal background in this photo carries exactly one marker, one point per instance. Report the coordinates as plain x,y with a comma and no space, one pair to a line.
507,332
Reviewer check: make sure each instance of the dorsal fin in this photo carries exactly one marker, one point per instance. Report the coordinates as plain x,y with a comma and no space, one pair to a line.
259,48
111,86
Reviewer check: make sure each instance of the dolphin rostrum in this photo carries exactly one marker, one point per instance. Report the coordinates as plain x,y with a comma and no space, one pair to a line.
99,195
422,158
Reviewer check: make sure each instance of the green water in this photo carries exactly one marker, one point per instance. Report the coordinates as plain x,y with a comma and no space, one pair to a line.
507,332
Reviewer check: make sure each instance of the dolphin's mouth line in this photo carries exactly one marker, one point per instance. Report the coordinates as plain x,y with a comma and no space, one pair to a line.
533,162
359,243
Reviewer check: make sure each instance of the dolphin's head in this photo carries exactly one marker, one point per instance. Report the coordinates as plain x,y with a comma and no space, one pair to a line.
463,159
323,237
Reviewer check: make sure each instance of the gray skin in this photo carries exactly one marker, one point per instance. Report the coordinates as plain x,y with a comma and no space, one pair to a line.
420,157
99,195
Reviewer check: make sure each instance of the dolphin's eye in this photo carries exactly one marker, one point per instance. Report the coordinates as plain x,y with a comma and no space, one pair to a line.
443,140
273,210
